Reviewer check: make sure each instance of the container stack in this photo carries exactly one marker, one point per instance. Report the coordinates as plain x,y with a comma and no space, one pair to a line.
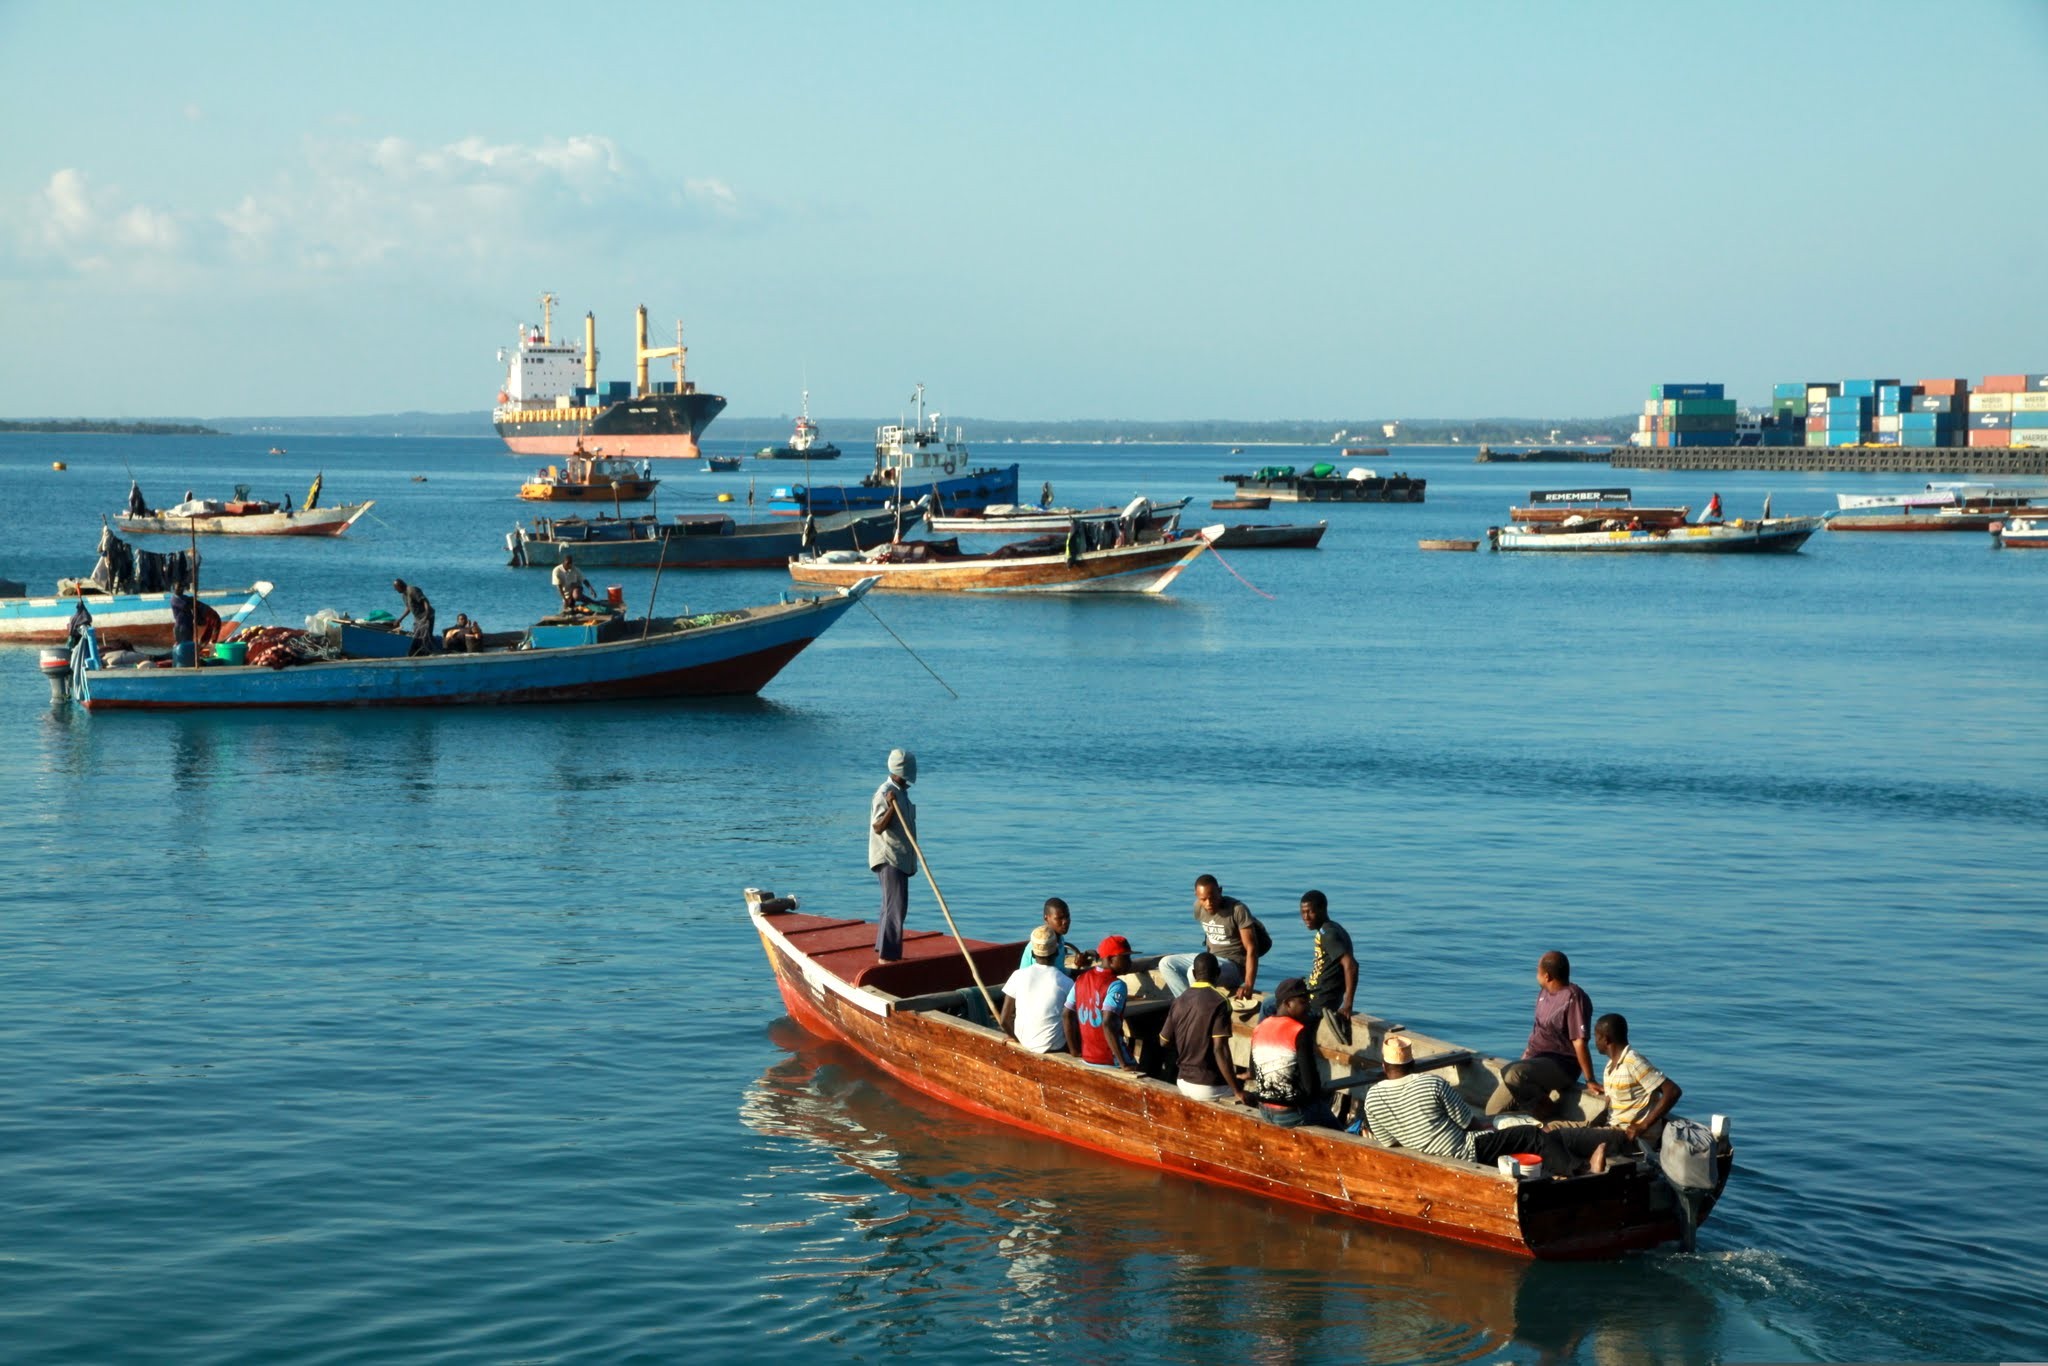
1894,401
2010,410
1937,416
1840,414
1686,415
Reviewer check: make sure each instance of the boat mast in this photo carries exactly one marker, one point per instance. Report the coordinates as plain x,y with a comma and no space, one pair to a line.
547,319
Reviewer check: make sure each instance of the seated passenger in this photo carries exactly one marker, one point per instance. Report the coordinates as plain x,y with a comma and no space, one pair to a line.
1094,1010
1227,933
1035,994
464,635
1556,1055
1059,920
1638,1095
1419,1110
570,583
1199,1025
1284,1079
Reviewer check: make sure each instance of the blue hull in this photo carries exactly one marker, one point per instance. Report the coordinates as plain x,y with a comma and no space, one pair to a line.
970,492
734,659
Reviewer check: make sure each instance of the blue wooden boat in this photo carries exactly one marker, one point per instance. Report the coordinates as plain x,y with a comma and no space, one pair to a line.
720,654
121,618
912,461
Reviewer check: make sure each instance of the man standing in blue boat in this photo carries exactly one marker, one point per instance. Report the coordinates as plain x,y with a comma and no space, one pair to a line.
892,825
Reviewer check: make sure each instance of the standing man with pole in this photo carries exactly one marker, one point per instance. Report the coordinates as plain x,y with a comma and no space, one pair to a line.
892,832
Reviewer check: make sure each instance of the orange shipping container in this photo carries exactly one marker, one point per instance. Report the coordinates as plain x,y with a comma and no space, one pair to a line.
2001,437
1943,388
2003,384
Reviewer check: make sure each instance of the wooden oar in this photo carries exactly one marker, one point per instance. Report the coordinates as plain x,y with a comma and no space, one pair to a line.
987,999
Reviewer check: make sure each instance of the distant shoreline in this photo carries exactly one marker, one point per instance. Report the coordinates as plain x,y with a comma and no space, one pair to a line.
94,427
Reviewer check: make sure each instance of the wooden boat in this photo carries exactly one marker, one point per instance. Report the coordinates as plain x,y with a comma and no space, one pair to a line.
1605,509
707,542
1939,507
244,518
721,464
1008,519
1775,535
589,478
1038,566
1240,504
718,654
121,619
1271,536
1446,545
2022,533
921,1020
1322,484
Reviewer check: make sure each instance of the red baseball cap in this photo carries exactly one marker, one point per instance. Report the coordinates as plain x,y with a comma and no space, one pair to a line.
1112,946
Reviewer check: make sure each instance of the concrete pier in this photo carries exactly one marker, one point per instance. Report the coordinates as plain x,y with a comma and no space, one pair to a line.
1998,460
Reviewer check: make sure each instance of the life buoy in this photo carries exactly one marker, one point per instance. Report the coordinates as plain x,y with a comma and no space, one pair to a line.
949,464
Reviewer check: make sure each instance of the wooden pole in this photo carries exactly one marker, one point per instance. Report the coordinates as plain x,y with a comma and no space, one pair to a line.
987,999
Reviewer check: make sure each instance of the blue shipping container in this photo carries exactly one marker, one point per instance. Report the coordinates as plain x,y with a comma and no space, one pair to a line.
1793,390
2030,422
1860,388
1924,420
1990,422
1687,391
1938,403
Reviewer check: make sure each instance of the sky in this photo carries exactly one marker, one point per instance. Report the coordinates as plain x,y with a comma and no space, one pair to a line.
1040,211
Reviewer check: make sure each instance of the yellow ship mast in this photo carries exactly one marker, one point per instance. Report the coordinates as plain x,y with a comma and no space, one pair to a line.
679,351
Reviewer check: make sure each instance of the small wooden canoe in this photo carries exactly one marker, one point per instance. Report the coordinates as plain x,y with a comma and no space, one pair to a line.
1272,536
1240,504
1447,545
1040,566
917,1019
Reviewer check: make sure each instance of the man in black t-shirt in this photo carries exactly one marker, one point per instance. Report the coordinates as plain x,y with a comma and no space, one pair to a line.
1333,976
1199,1027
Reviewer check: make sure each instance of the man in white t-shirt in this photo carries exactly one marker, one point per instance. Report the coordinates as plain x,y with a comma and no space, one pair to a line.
1034,995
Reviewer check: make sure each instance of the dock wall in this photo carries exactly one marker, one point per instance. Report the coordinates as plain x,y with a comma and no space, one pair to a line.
1837,460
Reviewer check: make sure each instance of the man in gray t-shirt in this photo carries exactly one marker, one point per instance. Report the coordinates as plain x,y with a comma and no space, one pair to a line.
892,825
1227,933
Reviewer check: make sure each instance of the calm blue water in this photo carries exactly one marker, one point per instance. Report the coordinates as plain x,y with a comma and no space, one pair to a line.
442,1036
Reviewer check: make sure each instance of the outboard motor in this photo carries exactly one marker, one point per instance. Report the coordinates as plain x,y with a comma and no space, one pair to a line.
56,666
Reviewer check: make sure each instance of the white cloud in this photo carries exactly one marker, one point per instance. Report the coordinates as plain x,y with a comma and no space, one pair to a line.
89,229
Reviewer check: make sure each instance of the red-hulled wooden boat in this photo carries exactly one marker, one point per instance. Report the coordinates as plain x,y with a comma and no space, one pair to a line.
916,1019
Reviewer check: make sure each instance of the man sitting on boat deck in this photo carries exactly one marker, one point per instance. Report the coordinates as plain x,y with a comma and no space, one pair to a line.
1419,1110
1638,1095
1284,1079
1227,928
892,824
1198,1025
1556,1055
1034,997
1094,1008
464,635
570,583
1059,920
424,641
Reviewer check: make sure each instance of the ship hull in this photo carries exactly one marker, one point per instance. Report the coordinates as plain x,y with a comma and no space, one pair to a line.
972,491
657,427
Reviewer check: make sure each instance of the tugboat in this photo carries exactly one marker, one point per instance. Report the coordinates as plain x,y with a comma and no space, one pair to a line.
803,442
912,461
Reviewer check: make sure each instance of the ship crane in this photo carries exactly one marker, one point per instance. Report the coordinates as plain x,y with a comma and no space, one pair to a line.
679,351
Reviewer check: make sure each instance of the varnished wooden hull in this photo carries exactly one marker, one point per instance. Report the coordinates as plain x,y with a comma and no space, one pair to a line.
1147,568
976,1069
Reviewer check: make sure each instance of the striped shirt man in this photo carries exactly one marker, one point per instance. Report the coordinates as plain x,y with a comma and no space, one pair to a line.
1631,1084
1422,1112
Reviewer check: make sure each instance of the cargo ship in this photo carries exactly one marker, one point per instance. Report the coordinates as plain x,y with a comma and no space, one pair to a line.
550,402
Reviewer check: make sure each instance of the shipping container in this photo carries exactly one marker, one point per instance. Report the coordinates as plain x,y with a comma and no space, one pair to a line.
1680,406
2030,422
1939,403
1820,393
1982,402
2001,437
2037,384
2032,441
1942,387
1687,391
1985,422
1885,423
1924,439
2030,403
1922,422
1796,389
2003,384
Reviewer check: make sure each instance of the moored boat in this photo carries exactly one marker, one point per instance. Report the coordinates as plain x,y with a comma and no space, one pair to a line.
240,515
721,464
588,477
916,1018
2022,533
1440,543
1938,507
1271,536
803,442
1322,484
1004,519
717,654
121,619
1774,535
1045,565
912,460
1240,504
1594,510
697,542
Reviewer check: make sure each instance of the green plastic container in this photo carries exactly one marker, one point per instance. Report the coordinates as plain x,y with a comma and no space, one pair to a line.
232,652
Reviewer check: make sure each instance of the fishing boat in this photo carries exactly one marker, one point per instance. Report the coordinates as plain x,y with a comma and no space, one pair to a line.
2022,533
696,542
121,619
1044,565
1240,504
1938,507
1271,536
912,460
803,442
595,659
587,477
241,515
1005,519
1441,543
1321,483
1593,509
922,1020
721,464
1771,535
